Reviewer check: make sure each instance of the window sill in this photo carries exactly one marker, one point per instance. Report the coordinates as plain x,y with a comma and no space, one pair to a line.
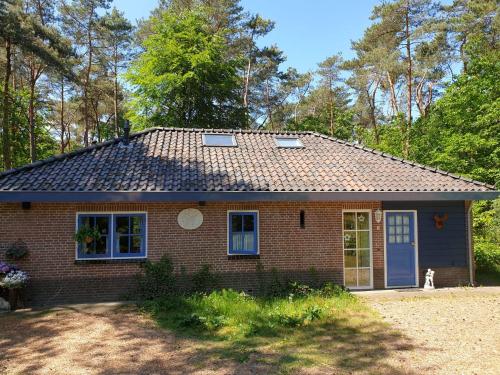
243,256
110,261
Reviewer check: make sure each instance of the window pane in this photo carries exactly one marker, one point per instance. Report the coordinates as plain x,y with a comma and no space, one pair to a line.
248,241
399,220
101,245
406,220
363,258
399,229
87,248
350,276
248,223
237,241
363,220
288,142
392,239
136,223
391,220
102,224
136,244
87,221
219,140
349,239
363,240
364,277
349,220
236,223
392,229
122,225
123,244
349,258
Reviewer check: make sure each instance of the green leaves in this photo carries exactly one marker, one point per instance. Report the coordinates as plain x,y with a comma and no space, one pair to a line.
183,78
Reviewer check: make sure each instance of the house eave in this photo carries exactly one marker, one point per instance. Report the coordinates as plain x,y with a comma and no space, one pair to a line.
240,196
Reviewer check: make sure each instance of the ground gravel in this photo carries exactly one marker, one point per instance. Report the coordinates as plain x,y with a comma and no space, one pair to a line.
456,331
451,332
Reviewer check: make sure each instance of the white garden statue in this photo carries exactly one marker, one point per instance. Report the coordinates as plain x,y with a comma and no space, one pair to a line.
429,279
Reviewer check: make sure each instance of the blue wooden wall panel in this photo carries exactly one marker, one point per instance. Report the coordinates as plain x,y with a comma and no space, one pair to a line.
446,247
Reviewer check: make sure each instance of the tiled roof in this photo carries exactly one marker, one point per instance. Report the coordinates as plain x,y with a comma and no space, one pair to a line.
174,160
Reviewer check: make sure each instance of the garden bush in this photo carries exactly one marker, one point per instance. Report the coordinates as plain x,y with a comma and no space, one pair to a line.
204,280
157,279
487,256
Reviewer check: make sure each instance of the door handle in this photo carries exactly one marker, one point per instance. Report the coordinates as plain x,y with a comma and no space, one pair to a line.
413,244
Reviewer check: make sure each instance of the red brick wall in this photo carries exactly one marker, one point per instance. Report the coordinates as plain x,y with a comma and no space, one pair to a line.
48,231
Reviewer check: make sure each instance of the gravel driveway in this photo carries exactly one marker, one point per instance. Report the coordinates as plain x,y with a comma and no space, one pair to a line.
454,331
443,332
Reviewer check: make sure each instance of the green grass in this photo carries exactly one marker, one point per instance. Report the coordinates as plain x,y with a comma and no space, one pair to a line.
319,328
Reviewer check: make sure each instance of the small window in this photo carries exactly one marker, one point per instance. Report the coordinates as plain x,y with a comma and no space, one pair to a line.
99,248
129,235
122,236
222,140
288,142
243,233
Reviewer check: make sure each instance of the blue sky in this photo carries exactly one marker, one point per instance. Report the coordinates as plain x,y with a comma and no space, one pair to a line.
306,33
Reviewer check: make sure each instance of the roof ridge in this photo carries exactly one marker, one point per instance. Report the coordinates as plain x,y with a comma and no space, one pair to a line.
402,160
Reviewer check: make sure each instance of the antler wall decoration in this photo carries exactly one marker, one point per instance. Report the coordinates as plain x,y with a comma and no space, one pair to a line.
440,220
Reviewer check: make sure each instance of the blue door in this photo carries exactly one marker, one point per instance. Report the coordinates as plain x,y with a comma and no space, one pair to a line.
400,248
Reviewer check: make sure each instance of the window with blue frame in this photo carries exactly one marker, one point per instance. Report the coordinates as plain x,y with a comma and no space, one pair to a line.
98,248
243,233
122,236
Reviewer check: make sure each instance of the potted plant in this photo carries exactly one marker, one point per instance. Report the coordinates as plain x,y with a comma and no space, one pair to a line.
14,280
87,234
17,250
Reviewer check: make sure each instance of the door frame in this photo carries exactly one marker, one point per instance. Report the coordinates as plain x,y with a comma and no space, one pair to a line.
369,211
415,228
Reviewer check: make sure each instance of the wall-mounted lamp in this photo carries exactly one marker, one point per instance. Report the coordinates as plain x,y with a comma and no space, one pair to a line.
378,215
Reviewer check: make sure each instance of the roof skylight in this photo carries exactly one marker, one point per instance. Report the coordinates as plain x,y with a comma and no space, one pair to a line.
288,142
221,140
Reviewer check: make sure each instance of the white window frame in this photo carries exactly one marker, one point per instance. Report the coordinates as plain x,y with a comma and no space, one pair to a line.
277,138
415,228
370,239
229,232
233,140
112,234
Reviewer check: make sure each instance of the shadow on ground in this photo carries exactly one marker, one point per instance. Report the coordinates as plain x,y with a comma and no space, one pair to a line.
124,341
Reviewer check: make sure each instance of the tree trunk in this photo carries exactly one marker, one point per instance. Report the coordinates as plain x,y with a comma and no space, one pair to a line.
373,118
61,119
115,92
7,162
87,80
406,135
31,117
392,90
330,104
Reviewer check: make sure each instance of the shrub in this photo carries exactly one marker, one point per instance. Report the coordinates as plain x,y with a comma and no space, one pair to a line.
15,279
17,250
157,279
487,256
204,280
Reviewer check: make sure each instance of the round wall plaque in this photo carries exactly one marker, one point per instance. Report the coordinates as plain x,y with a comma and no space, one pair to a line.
190,218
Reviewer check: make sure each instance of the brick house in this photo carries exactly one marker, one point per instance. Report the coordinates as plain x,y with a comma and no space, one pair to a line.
235,200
